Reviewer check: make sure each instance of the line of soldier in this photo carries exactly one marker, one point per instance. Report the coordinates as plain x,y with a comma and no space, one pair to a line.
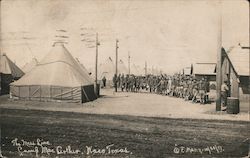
187,87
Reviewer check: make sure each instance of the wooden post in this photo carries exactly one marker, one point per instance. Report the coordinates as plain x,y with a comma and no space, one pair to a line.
128,63
96,66
229,80
116,63
219,59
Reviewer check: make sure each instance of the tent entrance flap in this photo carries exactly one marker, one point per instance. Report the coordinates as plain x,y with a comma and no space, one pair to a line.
88,93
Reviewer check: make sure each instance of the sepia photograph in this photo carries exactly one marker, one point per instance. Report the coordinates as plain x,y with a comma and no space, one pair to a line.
124,78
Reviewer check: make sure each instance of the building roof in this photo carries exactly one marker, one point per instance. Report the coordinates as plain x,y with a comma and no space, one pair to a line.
240,60
204,69
187,71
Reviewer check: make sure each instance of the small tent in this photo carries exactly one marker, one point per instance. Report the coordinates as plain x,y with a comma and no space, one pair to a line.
29,66
9,72
58,77
106,69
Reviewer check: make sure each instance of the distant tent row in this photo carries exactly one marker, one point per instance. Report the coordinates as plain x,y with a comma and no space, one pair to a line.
106,69
9,72
137,70
58,77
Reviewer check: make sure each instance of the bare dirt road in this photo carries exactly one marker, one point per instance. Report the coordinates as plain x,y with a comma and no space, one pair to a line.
134,104
96,135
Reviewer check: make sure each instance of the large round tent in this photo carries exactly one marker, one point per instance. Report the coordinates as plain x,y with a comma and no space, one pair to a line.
57,77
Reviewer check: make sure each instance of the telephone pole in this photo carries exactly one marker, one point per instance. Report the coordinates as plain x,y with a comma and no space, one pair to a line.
219,62
128,63
96,65
145,68
116,63
0,75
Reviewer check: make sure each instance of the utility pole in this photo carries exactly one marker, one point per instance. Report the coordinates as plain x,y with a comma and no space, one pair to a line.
0,76
145,68
116,63
219,62
96,65
128,63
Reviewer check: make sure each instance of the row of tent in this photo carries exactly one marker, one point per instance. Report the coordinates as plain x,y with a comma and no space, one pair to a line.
59,76
107,69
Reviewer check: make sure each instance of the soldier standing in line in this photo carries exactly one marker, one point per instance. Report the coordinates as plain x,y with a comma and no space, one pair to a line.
115,81
119,81
202,92
224,93
104,81
195,91
150,83
169,90
127,82
190,89
185,89
122,82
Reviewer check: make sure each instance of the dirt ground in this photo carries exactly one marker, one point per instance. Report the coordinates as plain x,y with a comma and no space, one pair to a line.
135,125
142,136
135,104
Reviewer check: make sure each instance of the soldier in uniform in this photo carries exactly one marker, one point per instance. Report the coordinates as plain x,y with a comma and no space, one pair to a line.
115,81
119,81
224,93
169,89
190,89
122,82
104,81
185,89
127,82
195,91
202,91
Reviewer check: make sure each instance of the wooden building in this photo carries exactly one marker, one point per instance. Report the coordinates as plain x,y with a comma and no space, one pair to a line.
235,69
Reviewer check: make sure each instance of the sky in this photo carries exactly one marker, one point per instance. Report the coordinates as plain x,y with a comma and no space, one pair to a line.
167,34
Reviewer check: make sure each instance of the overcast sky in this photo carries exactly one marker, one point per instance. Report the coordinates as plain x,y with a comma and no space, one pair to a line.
167,34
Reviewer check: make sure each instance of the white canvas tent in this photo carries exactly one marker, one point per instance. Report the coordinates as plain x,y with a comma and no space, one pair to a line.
137,70
29,66
57,77
107,69
84,69
9,72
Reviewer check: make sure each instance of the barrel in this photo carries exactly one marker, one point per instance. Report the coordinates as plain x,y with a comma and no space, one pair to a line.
233,105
